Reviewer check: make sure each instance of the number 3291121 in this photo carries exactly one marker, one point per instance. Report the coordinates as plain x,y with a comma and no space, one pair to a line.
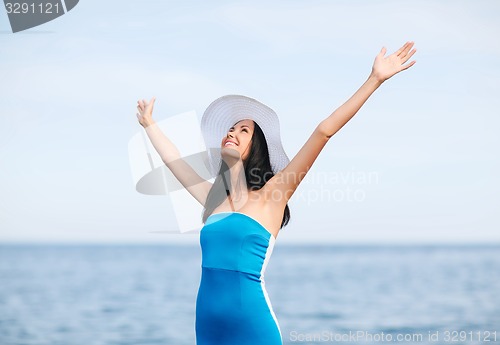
23,7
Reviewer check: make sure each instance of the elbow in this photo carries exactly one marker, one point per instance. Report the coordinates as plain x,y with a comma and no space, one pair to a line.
324,131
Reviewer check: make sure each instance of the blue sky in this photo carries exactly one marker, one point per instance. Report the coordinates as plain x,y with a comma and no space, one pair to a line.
427,137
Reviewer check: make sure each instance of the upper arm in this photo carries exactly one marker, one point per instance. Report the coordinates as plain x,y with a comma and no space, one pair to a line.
189,178
286,181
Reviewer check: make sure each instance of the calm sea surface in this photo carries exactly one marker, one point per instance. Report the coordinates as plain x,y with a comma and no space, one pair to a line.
69,294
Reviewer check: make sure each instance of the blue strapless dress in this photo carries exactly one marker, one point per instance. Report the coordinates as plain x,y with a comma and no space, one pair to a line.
232,307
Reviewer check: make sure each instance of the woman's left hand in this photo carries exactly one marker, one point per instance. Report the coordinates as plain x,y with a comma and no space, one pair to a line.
385,67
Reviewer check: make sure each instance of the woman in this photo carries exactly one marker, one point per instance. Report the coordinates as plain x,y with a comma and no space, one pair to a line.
246,206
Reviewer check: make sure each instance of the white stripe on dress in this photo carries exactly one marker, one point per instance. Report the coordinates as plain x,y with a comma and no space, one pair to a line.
269,251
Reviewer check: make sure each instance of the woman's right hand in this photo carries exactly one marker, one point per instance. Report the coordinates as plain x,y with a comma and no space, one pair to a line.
145,112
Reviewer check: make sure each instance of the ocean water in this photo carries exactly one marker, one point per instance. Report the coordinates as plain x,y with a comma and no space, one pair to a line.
103,294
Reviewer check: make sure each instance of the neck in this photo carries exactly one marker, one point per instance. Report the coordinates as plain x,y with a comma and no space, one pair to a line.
238,190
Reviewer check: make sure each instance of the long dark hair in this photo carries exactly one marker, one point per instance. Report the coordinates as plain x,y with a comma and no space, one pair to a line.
257,172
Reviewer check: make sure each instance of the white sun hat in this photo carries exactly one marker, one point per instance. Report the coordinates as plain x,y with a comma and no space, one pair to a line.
224,112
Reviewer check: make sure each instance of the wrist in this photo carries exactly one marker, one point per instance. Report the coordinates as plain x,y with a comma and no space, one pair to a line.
374,79
147,122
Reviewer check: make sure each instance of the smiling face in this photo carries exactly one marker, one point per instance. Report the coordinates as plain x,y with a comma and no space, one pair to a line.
239,138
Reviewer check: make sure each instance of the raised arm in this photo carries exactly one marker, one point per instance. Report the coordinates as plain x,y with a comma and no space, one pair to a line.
285,182
187,176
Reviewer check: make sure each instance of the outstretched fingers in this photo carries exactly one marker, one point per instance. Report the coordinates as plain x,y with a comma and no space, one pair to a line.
408,66
408,56
150,104
400,50
140,105
404,49
409,45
